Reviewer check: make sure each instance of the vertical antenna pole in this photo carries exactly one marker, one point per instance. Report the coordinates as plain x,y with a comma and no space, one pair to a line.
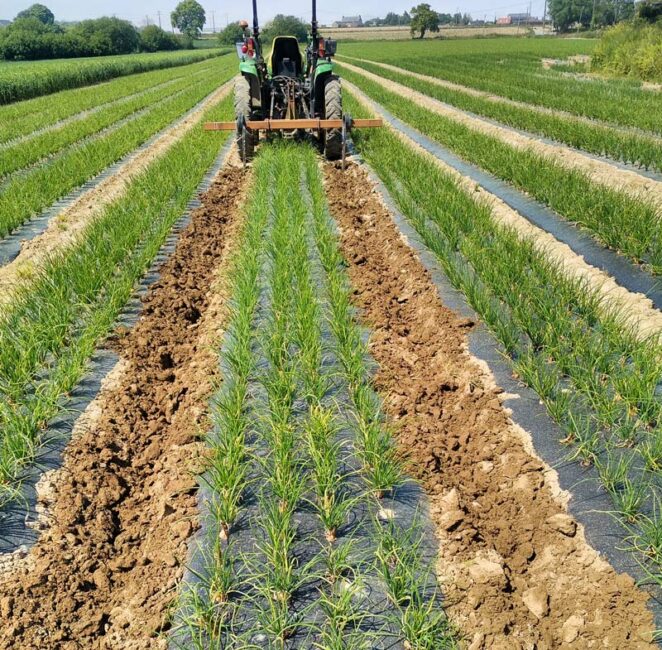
313,26
256,27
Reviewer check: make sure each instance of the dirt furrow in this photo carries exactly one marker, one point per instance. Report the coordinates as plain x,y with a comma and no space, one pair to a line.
63,229
498,99
602,173
516,568
635,309
106,569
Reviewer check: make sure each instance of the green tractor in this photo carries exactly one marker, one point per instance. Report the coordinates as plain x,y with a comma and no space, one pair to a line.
295,94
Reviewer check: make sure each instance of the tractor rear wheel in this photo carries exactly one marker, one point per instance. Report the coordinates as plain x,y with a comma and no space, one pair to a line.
332,111
246,139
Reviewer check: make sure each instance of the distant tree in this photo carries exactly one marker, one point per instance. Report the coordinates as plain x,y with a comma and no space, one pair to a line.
283,25
189,18
466,19
28,39
391,19
423,19
155,39
230,34
42,13
566,13
406,18
650,11
107,35
445,19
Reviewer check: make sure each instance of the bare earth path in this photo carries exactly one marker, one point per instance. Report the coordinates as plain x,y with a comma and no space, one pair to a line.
105,571
517,570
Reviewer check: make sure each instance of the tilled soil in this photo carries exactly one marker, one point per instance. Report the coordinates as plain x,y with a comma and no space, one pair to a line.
516,569
105,571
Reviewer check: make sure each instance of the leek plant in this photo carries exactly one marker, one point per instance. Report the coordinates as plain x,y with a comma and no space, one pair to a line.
27,79
26,153
50,330
26,194
29,118
512,68
617,220
597,379
600,139
280,432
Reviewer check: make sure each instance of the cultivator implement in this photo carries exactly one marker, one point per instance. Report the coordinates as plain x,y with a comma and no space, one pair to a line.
317,127
293,94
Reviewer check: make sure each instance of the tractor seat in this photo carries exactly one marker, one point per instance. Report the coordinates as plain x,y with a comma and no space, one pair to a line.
286,59
287,68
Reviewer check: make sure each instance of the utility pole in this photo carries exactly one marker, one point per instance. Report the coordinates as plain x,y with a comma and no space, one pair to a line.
593,16
158,13
213,23
544,18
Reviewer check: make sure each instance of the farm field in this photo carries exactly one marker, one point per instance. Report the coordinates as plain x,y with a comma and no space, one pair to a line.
403,33
413,402
24,79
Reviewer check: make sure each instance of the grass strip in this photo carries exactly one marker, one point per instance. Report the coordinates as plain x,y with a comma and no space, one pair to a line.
618,221
27,194
602,140
59,316
596,379
23,80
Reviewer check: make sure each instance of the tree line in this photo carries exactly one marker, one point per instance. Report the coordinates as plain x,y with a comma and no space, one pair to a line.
35,34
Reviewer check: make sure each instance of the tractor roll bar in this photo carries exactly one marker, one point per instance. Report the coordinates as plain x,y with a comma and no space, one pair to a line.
256,27
313,23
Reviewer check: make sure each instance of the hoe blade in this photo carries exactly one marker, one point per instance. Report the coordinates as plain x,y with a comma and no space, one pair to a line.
281,125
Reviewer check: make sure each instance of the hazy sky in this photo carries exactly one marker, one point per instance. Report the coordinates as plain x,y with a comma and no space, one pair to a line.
327,12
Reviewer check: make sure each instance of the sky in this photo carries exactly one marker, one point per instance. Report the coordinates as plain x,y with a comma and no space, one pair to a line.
146,11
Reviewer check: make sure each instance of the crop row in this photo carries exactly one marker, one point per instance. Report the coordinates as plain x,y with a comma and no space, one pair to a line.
597,380
24,80
24,154
50,330
281,452
518,74
28,193
619,144
22,120
619,221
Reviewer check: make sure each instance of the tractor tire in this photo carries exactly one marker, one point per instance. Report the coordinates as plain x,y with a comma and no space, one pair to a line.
332,111
246,139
